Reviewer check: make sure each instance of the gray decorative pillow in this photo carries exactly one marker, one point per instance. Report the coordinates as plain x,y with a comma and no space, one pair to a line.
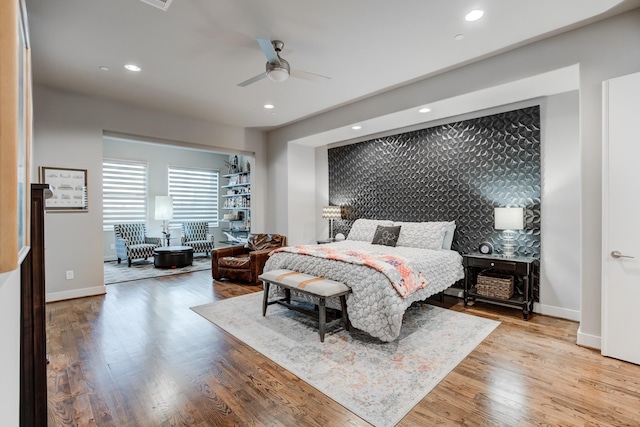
387,236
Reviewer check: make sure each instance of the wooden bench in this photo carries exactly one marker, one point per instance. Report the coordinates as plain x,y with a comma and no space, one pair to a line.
318,287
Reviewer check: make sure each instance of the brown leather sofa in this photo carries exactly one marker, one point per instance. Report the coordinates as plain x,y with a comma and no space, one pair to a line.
245,262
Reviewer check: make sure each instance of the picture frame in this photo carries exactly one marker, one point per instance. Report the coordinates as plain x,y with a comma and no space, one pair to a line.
69,188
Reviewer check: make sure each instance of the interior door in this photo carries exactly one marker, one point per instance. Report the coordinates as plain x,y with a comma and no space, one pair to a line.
621,219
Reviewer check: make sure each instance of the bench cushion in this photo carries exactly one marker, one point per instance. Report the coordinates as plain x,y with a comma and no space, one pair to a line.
305,282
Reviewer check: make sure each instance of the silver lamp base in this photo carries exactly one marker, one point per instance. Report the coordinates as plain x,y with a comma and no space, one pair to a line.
508,246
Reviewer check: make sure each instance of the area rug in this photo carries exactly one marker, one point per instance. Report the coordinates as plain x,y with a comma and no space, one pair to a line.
144,269
380,382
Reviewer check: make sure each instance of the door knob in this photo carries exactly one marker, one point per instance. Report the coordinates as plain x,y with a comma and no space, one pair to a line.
618,254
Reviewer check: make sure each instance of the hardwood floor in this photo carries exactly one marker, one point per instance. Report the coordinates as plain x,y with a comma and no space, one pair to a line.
139,356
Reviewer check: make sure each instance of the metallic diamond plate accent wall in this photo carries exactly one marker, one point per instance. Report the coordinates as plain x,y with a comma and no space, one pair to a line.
457,171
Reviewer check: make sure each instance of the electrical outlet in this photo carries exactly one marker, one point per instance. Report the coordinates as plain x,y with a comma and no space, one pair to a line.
69,274
112,246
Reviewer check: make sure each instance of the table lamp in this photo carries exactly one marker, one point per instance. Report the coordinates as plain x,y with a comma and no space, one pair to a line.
164,212
508,219
331,213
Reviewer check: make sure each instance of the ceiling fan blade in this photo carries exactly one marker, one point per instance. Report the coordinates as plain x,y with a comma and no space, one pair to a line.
269,51
252,80
309,76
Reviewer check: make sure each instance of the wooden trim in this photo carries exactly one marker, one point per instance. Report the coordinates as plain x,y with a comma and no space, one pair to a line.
28,105
33,369
9,11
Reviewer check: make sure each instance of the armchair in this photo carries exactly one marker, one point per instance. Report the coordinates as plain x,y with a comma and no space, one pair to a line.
132,242
196,235
245,262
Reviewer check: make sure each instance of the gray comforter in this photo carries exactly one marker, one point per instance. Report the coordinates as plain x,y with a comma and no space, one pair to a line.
374,306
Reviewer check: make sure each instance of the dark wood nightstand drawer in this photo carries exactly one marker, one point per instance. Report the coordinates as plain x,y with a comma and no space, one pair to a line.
492,263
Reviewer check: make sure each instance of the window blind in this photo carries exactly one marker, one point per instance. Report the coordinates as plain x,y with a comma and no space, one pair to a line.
124,192
195,194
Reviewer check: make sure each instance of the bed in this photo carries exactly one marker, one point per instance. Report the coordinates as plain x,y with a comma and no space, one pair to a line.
376,304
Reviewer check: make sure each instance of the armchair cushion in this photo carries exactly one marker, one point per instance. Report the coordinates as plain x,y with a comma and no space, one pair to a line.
240,261
245,263
196,235
132,242
257,242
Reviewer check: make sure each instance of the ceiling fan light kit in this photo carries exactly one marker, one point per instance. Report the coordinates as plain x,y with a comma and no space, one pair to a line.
278,73
277,68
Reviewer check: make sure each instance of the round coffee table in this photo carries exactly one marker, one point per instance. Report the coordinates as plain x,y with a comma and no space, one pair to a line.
172,256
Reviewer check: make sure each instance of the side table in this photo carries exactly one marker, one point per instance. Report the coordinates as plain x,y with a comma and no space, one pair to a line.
522,268
162,237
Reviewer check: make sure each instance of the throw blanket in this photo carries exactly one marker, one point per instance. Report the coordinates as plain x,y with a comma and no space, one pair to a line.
397,269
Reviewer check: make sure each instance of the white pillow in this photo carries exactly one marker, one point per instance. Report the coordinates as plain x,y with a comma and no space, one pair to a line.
448,236
423,235
364,229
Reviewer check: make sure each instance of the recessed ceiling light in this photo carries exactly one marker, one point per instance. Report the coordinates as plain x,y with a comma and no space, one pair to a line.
103,68
458,37
132,67
424,110
356,127
474,15
268,106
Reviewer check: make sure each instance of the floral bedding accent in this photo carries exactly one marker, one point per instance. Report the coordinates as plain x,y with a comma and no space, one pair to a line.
398,269
374,305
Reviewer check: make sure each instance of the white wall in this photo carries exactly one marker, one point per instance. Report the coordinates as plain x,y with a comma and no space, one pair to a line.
322,190
68,132
603,50
302,208
560,257
10,348
277,211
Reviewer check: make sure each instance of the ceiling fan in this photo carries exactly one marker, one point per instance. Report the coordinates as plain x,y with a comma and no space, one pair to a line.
277,68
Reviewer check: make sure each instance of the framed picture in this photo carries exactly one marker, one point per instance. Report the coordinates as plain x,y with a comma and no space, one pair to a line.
69,188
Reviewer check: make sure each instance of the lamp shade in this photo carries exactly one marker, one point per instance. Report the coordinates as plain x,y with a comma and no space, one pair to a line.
331,212
509,218
164,208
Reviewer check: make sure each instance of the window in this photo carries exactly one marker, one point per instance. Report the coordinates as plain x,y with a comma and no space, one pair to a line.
195,194
124,192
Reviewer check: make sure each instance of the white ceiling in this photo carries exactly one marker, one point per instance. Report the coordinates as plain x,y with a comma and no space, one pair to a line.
193,55
546,84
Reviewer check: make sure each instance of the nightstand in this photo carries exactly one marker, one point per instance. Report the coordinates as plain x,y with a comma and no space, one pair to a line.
522,268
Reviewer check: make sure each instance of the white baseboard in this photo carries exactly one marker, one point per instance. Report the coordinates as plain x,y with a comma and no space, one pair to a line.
76,293
587,340
547,310
550,310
